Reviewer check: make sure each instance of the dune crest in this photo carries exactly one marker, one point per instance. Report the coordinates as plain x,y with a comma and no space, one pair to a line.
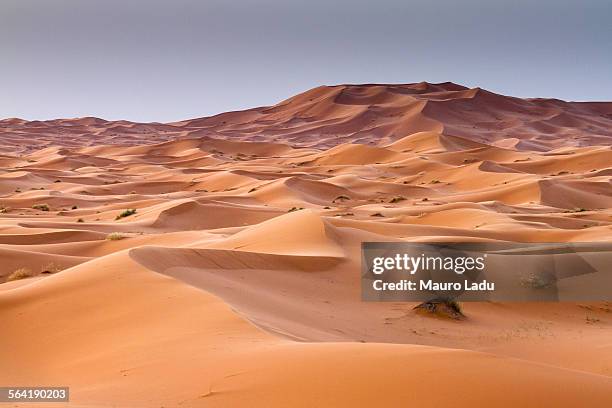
374,114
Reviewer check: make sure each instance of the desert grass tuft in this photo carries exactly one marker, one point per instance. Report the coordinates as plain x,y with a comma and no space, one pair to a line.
51,267
115,236
21,273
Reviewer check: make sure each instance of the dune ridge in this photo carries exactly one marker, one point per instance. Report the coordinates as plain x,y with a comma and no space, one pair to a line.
373,114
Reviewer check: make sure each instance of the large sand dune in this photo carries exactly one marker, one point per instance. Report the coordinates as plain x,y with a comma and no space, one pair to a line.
236,280
369,114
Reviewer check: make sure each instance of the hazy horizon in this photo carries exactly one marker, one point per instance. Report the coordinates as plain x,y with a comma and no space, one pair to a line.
155,61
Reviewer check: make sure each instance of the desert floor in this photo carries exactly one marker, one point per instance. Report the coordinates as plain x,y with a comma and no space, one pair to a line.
236,280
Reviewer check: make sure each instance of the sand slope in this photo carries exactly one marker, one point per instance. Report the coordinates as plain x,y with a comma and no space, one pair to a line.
167,344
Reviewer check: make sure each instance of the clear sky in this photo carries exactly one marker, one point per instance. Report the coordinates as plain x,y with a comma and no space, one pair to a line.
170,60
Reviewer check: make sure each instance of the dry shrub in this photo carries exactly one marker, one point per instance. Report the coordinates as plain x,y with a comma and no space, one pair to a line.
21,273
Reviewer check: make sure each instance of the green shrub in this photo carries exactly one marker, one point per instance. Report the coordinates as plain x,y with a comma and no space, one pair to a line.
126,213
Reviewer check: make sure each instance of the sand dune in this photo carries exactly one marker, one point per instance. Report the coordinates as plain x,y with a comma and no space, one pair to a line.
368,114
210,356
215,261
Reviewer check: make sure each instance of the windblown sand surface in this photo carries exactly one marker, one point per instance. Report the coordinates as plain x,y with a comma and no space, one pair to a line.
236,281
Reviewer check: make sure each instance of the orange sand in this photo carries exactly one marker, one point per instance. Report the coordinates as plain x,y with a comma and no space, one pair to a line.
236,282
